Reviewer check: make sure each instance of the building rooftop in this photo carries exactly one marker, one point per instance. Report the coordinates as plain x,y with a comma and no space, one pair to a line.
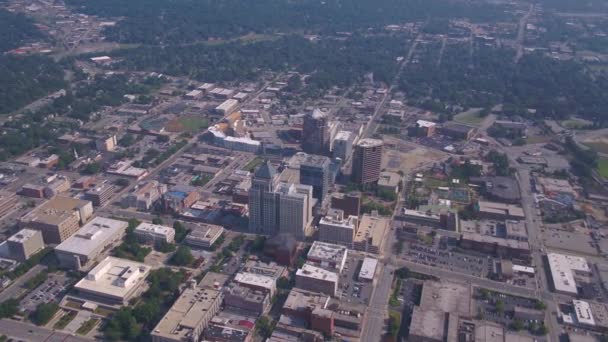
583,313
428,323
302,300
446,297
257,280
316,161
388,178
425,123
562,271
266,171
187,314
368,268
367,142
501,209
114,277
311,271
23,235
335,217
327,254
343,135
91,235
318,113
56,210
155,229
372,227
272,269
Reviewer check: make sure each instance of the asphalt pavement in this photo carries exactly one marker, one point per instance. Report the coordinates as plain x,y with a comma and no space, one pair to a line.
31,333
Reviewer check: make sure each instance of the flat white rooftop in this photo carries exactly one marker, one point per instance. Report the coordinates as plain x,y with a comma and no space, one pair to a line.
154,229
91,235
23,235
562,271
257,280
311,271
583,313
368,269
114,277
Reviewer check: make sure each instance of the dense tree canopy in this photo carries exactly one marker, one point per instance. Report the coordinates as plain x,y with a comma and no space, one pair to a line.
15,30
179,21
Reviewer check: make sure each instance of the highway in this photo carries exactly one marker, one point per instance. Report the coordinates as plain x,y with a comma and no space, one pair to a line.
521,33
32,333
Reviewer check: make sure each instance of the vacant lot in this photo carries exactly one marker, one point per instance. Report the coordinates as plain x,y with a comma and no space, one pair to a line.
470,117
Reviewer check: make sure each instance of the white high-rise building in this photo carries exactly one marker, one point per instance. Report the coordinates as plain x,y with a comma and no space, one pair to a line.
278,207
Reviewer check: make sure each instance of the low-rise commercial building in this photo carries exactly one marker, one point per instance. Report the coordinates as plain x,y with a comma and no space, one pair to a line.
368,269
154,233
499,211
456,130
190,314
389,182
93,240
100,195
327,255
113,281
317,279
370,234
145,195
564,269
24,244
246,299
337,229
258,282
204,235
58,218
179,198
349,203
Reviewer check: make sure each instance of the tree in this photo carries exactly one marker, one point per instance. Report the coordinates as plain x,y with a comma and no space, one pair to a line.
180,231
147,312
165,247
9,308
500,306
157,220
182,257
264,327
122,326
91,168
284,283
44,313
540,305
517,325
122,182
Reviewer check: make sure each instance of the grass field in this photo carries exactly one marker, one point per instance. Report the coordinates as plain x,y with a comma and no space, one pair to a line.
470,117
602,167
575,123
87,326
598,145
188,123
255,162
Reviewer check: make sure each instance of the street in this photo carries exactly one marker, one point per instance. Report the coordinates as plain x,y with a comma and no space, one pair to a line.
32,333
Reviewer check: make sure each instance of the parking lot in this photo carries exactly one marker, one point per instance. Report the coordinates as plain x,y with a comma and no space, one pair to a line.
52,290
453,261
351,288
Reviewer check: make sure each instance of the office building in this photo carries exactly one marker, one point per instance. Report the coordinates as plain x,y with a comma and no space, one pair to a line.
349,203
24,244
301,303
32,190
343,145
190,314
564,269
247,299
328,256
278,207
179,198
145,195
268,269
58,218
370,234
113,281
295,209
315,171
256,281
335,228
500,247
263,202
100,195
367,162
315,133
317,279
154,233
106,143
389,182
92,241
204,235
8,201
456,131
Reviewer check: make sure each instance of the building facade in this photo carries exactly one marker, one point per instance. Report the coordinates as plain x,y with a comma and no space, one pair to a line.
367,162
315,133
24,244
315,171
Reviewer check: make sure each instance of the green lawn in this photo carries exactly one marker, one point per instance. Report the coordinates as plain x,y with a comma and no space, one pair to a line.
253,164
470,117
598,146
575,123
87,326
64,320
602,167
193,123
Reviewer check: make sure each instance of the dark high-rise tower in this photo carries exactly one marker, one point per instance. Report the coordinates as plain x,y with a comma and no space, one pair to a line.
315,133
367,161
315,171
